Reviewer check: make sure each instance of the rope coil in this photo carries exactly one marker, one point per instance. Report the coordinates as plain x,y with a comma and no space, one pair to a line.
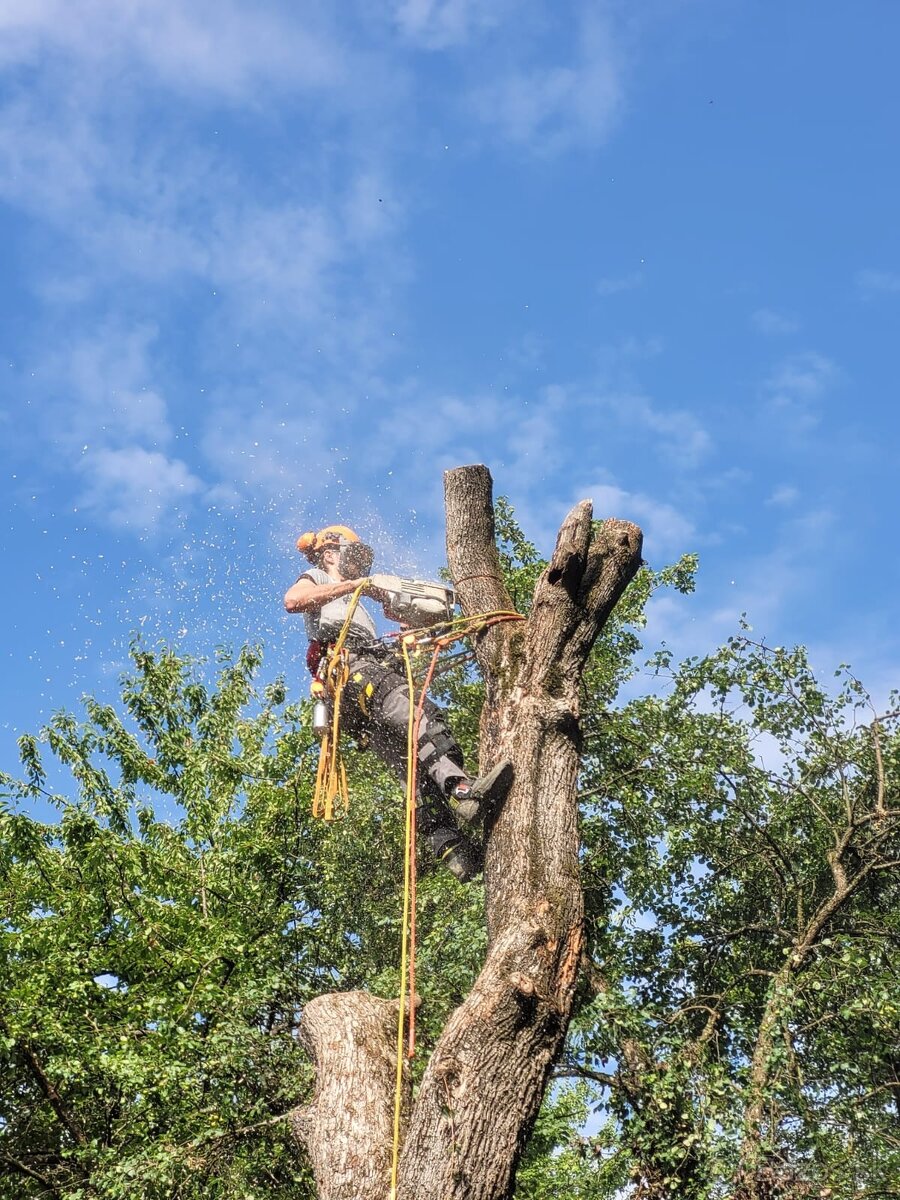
331,797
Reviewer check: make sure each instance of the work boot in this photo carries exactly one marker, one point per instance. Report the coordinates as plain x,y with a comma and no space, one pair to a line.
458,855
471,802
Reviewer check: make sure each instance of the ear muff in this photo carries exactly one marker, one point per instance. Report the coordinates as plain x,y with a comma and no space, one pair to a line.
306,544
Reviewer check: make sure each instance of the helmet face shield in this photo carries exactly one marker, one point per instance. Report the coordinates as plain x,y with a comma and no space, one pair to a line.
356,560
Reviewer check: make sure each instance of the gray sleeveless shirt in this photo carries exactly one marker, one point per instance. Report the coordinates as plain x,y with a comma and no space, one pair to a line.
325,623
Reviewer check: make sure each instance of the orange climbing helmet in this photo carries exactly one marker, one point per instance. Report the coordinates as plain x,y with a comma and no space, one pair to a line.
356,556
312,544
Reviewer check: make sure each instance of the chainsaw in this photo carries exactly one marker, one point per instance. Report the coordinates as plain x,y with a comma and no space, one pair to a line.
415,602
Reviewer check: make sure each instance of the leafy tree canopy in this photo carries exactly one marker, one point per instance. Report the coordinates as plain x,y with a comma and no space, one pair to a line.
738,1022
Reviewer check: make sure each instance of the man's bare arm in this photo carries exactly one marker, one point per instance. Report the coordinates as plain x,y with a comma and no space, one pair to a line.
306,595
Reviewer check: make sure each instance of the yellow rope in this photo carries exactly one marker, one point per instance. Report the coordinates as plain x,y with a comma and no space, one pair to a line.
408,867
331,776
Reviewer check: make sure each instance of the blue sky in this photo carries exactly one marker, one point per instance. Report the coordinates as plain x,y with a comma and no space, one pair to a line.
267,266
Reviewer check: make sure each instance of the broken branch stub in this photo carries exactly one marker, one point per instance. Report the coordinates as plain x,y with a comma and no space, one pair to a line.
347,1128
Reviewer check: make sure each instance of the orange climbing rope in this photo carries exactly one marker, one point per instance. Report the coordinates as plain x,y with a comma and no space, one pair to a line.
453,631
416,709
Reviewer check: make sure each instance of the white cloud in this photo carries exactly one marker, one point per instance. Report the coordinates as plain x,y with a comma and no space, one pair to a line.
439,24
526,353
531,438
550,108
685,440
680,436
289,447
766,583
534,441
667,532
165,215
102,145
615,358
370,209
135,488
784,495
50,156
104,417
774,324
797,385
872,283
102,393
220,47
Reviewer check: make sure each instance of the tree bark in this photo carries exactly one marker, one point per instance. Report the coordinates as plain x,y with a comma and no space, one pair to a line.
347,1129
486,1078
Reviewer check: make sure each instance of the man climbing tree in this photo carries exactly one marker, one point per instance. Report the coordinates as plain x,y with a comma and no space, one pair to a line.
377,702
482,1088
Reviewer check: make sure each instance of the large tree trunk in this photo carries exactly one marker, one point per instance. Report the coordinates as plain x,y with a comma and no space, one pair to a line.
483,1086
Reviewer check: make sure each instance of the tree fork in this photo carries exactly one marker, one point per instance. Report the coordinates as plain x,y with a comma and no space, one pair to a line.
486,1078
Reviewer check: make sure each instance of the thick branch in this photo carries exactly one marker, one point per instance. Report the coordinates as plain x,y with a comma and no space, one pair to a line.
576,594
23,1169
845,889
534,848
573,1072
473,558
347,1129
471,548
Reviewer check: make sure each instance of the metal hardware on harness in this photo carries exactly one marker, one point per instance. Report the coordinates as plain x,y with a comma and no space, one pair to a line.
320,718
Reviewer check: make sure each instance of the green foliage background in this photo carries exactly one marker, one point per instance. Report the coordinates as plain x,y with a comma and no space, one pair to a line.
164,924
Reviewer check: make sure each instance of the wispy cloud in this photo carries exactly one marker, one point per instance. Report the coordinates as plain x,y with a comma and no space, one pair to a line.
679,436
611,285
223,48
766,583
874,283
796,387
667,532
105,421
108,139
784,495
774,324
549,108
134,488
101,390
439,24
685,440
170,216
